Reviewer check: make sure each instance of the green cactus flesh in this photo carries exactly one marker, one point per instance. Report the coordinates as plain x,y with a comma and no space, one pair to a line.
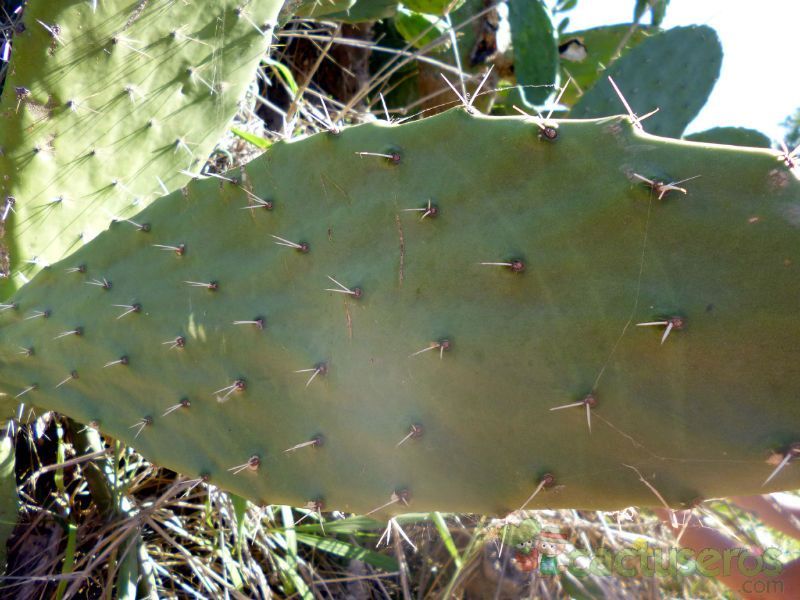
535,48
320,8
585,54
425,373
673,72
733,136
366,10
105,107
420,29
435,7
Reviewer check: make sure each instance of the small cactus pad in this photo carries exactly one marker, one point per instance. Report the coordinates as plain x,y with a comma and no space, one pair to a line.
107,102
673,71
586,53
535,48
389,316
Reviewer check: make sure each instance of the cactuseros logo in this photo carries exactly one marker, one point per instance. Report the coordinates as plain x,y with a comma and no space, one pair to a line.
540,552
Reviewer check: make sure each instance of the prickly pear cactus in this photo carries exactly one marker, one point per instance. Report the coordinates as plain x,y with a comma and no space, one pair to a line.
585,54
320,8
673,72
107,104
436,7
365,10
535,48
563,323
733,136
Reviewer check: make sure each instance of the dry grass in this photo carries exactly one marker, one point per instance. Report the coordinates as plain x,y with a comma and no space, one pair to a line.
180,538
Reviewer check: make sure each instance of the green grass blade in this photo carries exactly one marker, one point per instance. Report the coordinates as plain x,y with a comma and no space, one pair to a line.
444,532
231,566
61,456
284,73
352,525
301,588
128,574
69,559
347,550
9,501
290,536
251,137
240,512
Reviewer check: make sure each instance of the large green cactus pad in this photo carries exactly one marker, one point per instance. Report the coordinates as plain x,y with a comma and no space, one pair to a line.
673,71
104,107
698,416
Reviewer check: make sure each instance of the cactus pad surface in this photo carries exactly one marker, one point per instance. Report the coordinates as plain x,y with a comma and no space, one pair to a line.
673,71
732,136
321,327
107,104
